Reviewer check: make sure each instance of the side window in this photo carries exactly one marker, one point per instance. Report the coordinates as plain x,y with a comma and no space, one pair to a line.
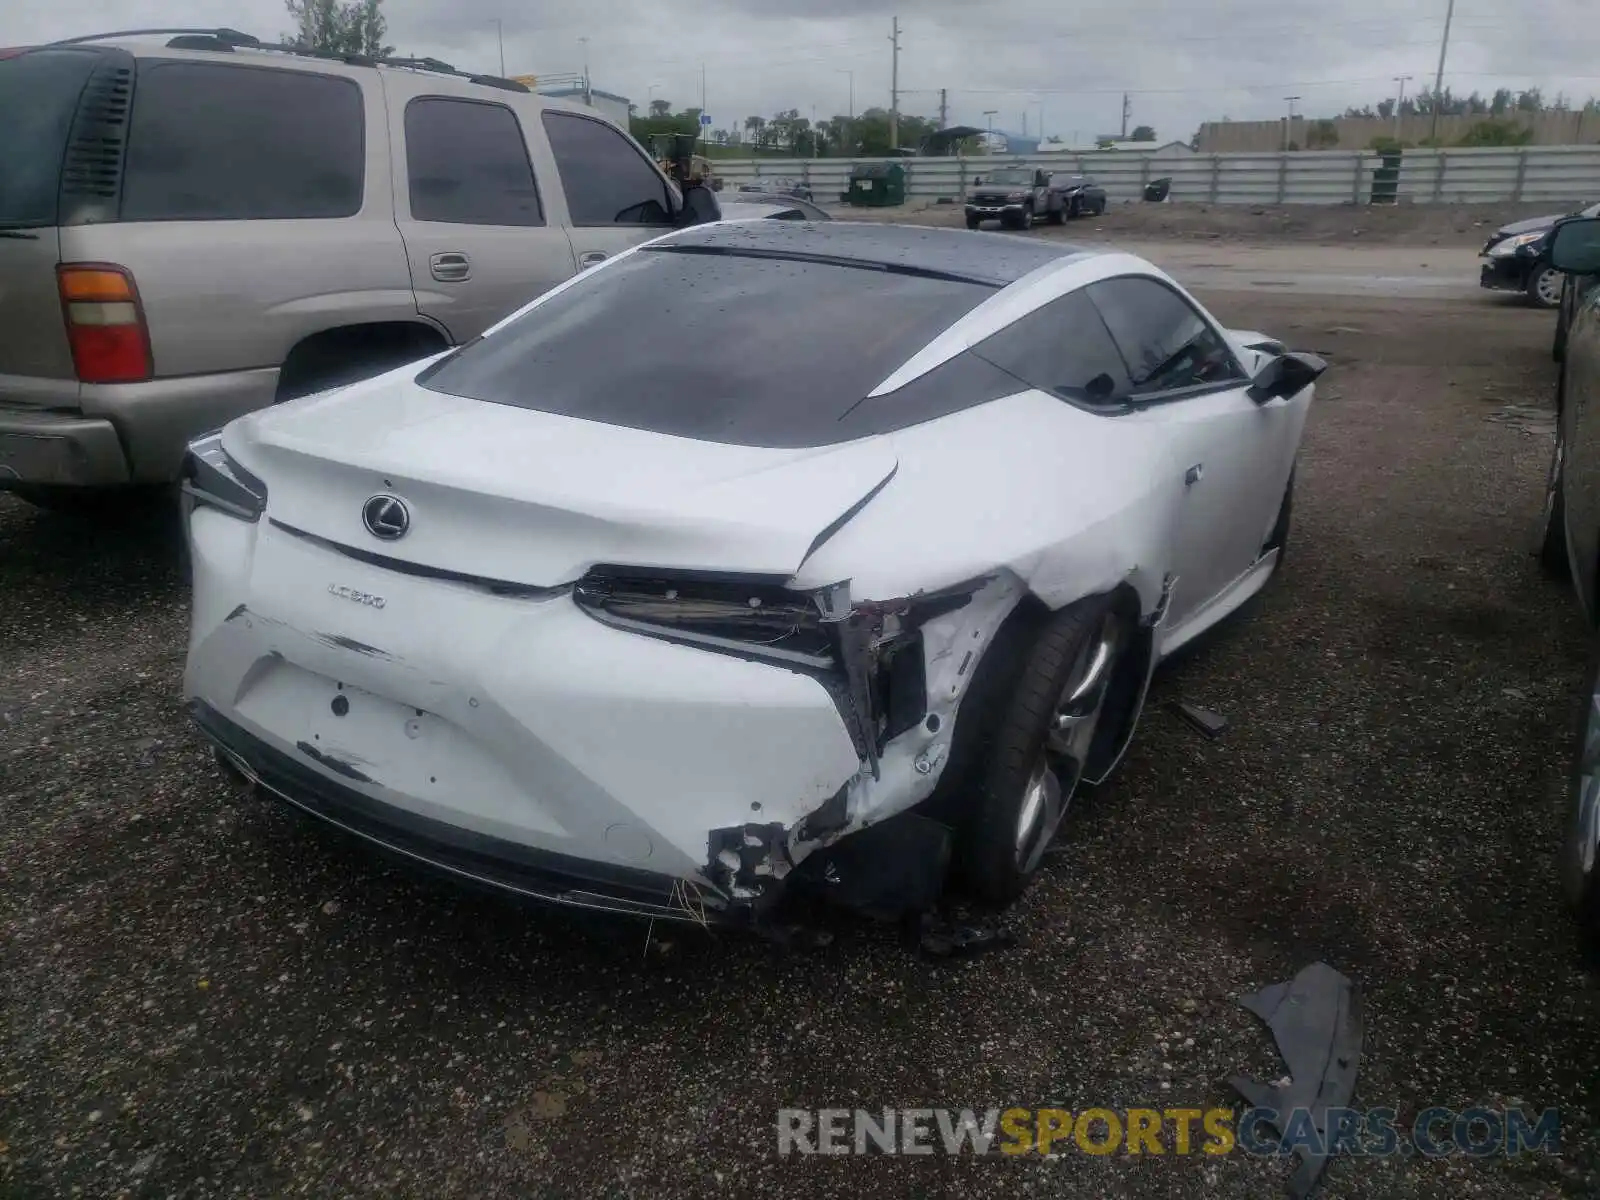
467,164
606,179
211,142
1165,342
1062,347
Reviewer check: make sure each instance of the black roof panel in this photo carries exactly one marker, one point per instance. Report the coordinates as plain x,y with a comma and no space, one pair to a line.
996,259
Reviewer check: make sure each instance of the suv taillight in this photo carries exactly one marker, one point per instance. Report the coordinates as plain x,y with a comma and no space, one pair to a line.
105,323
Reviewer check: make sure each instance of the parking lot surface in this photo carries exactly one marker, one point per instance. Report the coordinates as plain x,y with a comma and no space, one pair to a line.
202,998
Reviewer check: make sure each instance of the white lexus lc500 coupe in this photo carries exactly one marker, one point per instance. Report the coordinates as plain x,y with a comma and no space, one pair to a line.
763,553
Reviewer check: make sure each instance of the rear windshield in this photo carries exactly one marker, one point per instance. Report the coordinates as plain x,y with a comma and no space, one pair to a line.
719,347
38,97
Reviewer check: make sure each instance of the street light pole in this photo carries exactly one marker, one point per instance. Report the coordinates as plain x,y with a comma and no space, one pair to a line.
988,141
1288,129
1438,79
1399,102
588,96
500,38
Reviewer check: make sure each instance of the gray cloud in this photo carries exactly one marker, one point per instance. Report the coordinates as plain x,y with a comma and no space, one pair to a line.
1181,63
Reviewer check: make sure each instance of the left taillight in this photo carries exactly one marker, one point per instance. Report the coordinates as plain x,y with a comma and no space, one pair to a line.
105,323
210,477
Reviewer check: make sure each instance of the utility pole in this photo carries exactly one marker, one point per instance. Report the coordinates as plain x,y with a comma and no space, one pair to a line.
1127,111
588,94
500,36
1288,126
1399,102
894,90
703,108
1438,78
944,108
850,129
988,142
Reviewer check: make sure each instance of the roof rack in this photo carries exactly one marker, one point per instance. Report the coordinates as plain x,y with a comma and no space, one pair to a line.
228,40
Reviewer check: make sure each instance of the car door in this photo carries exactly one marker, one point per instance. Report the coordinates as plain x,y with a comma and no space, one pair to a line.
1233,455
469,207
1580,416
615,196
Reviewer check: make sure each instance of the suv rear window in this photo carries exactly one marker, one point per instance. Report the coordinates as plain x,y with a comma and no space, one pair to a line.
38,98
210,142
720,347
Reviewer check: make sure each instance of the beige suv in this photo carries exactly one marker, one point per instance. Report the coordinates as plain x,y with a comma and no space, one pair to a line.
194,225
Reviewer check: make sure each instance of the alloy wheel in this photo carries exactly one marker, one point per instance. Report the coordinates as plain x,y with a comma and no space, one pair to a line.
1061,760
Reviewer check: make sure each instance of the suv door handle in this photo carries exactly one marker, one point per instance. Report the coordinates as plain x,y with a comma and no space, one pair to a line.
450,267
590,257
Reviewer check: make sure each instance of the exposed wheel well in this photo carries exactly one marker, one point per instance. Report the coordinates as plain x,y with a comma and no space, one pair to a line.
350,352
998,670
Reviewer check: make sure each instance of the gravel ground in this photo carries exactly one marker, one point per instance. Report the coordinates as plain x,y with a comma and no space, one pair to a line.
201,998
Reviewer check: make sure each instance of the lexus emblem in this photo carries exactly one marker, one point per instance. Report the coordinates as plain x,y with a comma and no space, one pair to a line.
386,517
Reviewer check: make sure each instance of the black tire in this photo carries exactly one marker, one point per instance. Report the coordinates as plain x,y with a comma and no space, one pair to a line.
1073,208
1553,559
1580,865
990,855
1544,285
1026,220
974,222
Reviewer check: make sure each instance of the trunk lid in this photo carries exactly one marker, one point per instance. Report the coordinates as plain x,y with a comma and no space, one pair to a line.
519,496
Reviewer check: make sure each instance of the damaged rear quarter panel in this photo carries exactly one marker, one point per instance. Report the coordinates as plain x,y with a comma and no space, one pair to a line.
996,507
1074,511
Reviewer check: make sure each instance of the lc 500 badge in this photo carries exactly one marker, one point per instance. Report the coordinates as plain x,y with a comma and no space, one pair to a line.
345,593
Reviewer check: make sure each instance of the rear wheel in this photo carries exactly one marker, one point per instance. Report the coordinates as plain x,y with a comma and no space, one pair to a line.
1544,286
1580,850
1026,220
1034,758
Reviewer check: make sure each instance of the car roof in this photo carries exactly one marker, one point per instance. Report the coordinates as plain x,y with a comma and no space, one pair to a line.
994,259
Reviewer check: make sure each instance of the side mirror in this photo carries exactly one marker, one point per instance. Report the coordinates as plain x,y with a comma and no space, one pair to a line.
699,206
1285,376
1575,246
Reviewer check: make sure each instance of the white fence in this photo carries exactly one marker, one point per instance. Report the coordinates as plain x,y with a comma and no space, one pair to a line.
1558,174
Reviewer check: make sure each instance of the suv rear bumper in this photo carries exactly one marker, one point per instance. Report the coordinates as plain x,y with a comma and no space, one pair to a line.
123,433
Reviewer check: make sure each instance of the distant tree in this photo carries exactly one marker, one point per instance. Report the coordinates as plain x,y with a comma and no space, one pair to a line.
1142,133
1496,133
1322,135
660,108
339,26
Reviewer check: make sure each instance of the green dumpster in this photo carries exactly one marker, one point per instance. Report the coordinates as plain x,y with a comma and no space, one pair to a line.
877,185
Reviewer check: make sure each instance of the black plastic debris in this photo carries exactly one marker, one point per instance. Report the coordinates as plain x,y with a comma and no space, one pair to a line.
1212,724
941,937
1315,1019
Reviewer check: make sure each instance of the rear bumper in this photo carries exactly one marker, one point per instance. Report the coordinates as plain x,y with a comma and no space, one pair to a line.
122,433
448,719
461,854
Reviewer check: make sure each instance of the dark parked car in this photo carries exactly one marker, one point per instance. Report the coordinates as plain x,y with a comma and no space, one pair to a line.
1573,289
779,186
1571,548
1516,258
1080,195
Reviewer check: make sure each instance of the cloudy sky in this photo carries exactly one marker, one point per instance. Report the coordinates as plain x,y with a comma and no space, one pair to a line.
1182,62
